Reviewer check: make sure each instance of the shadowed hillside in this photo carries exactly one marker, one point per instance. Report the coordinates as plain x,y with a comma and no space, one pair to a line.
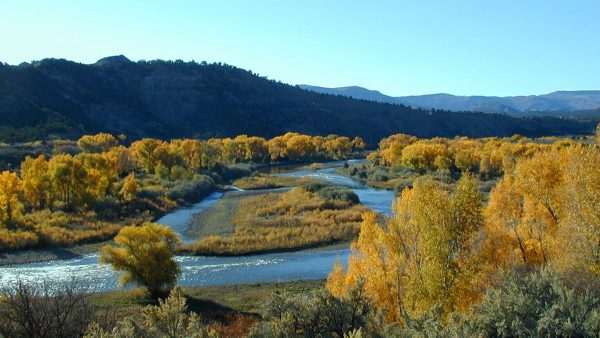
168,99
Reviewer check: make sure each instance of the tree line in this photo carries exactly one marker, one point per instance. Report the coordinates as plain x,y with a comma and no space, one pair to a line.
490,157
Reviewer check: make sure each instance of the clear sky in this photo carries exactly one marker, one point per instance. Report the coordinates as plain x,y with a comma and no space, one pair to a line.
461,47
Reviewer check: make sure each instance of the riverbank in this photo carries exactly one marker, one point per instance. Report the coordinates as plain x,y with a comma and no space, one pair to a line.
49,254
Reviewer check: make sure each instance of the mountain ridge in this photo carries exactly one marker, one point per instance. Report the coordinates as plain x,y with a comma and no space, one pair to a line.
558,101
174,99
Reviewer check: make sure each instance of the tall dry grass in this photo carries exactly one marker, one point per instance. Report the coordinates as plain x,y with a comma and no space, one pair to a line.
292,220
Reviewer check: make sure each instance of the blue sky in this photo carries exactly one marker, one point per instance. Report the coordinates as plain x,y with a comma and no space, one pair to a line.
398,47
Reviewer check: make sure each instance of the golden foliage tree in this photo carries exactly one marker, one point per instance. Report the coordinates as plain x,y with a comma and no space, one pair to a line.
358,144
36,182
68,179
579,228
143,150
547,212
300,147
97,143
102,171
145,254
130,188
524,211
10,187
424,256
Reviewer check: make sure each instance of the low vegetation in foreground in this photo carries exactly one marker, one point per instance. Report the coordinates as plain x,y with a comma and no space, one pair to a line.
48,310
310,215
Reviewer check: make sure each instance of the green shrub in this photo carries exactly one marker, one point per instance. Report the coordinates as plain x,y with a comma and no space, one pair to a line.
535,304
538,304
332,192
234,171
316,314
196,188
339,193
379,175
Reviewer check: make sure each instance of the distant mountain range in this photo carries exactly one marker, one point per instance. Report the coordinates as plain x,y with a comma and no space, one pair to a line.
174,99
585,103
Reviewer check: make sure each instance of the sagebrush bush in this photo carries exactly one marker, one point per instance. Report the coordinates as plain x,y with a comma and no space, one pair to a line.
538,304
525,304
316,314
196,188
332,192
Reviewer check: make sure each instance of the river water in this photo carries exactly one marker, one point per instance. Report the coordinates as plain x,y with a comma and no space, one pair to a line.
201,270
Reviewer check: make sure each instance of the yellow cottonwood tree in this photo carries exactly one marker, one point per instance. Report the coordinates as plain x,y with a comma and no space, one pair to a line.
145,253
10,187
579,228
547,212
508,242
130,188
68,179
524,211
358,144
424,256
36,182
143,150
97,143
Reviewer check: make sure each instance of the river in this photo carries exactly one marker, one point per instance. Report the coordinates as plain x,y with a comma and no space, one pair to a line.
201,270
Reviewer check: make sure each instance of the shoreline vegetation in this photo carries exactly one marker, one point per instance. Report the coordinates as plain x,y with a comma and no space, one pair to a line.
86,194
264,181
307,216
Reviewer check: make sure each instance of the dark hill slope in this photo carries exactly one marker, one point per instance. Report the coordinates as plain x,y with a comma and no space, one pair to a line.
176,99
